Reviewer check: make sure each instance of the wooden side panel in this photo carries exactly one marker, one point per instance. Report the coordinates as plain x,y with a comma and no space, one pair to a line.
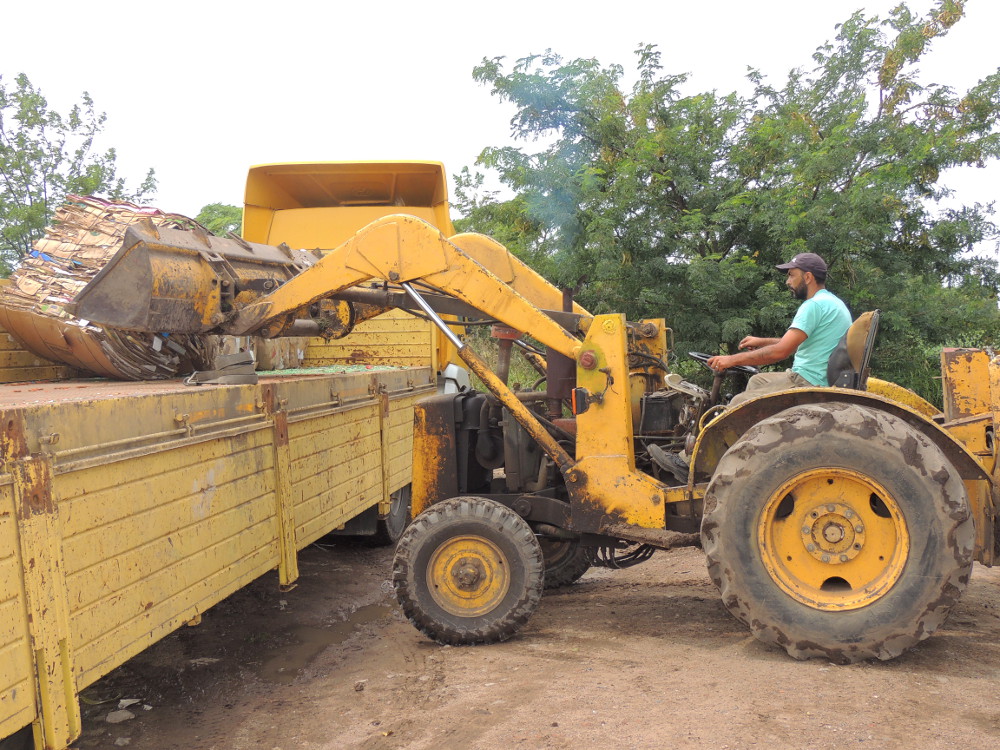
400,444
144,506
155,541
336,469
393,338
17,694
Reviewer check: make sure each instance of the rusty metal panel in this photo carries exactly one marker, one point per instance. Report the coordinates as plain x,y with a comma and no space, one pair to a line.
982,502
394,338
44,581
966,383
17,694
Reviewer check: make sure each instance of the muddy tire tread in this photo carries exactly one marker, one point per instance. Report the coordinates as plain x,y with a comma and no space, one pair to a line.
485,517
863,424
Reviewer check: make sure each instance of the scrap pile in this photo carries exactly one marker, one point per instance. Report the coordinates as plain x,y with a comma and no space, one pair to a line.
86,233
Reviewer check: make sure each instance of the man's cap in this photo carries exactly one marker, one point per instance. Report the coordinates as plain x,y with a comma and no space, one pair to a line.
806,262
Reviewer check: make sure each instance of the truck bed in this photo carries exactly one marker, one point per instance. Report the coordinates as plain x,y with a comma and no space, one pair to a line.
128,509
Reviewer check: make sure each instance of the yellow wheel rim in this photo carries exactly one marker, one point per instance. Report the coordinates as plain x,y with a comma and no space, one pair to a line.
833,539
468,576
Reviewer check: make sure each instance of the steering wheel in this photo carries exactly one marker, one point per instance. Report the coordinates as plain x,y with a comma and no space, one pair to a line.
703,358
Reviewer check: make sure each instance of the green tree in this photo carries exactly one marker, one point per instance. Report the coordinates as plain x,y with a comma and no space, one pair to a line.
221,218
653,201
43,157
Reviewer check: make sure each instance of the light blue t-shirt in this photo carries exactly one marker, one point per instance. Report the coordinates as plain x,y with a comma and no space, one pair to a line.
824,319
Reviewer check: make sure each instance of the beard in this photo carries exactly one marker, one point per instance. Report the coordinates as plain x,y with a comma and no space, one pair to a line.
800,292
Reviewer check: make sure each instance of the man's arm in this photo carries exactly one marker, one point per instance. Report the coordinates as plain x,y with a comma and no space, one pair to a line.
756,342
767,354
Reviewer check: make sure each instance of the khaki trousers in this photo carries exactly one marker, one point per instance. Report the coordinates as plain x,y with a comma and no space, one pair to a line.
769,382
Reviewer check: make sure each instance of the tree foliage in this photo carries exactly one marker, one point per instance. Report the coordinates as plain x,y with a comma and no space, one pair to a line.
221,218
657,202
44,156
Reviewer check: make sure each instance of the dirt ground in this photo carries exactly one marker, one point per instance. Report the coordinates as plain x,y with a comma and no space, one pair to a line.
640,658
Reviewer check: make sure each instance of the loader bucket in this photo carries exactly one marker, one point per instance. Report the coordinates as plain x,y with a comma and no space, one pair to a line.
183,282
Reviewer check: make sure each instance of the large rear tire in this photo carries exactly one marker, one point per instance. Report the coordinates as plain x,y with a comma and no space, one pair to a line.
838,531
468,570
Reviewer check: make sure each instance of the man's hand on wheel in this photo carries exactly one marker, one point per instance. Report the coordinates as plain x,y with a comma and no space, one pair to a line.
721,362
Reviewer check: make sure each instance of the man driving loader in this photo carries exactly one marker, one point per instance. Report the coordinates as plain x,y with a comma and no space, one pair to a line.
820,322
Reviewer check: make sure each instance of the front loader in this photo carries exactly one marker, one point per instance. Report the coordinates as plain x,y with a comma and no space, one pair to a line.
836,522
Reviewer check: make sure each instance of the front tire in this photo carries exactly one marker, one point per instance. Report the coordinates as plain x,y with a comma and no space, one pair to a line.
468,570
838,531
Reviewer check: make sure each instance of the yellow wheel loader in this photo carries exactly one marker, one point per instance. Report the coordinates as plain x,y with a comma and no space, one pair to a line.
837,522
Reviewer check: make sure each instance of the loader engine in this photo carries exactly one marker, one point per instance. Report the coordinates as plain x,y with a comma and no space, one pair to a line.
503,457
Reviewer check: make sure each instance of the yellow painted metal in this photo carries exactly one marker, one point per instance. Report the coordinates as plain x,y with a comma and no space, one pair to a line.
824,543
404,248
468,575
976,433
322,205
18,697
288,562
160,500
965,382
605,470
512,271
971,385
649,338
888,389
395,338
431,453
383,430
47,606
994,373
984,500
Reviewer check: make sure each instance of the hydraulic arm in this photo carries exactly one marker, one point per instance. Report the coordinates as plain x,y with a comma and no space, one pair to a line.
430,269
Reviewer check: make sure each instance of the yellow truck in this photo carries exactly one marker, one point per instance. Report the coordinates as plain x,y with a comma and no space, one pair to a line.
838,522
127,509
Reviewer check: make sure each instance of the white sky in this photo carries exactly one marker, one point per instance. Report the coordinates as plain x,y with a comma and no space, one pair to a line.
202,90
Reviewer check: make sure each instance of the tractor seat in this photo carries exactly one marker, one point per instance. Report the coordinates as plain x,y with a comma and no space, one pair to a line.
848,365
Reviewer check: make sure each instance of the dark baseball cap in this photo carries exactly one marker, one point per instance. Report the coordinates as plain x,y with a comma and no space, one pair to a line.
805,261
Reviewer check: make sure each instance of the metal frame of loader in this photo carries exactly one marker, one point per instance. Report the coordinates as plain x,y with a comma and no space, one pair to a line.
836,523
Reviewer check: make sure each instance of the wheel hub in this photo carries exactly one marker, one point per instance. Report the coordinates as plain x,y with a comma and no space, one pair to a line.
468,575
833,539
833,533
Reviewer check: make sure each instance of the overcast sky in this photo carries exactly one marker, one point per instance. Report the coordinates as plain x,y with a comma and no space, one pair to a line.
200,91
